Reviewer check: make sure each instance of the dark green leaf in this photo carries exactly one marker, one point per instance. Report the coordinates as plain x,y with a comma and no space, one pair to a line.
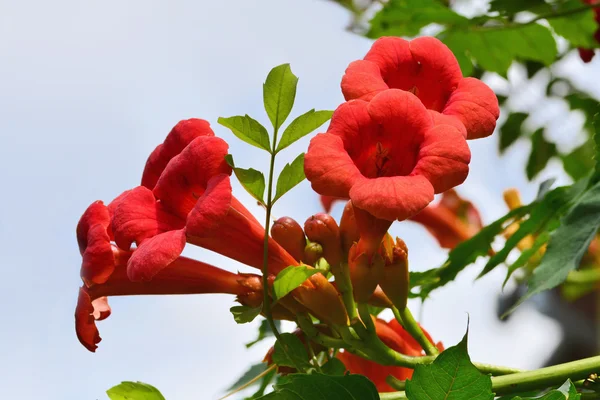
264,331
302,126
254,371
577,28
452,376
596,176
511,130
541,152
407,17
464,254
290,352
291,175
134,391
279,92
579,162
244,314
533,67
248,129
335,366
290,278
512,7
323,387
264,382
526,255
495,48
567,391
568,243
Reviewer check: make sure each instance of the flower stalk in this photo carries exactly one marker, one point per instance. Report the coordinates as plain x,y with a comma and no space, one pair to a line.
406,319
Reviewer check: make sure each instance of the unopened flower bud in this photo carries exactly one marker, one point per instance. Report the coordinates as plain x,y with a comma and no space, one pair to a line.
312,253
395,282
323,229
365,272
348,229
379,299
372,230
288,233
322,299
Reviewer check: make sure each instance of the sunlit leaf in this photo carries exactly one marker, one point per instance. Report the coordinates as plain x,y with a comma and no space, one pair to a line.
290,278
248,129
244,314
279,92
291,175
302,126
134,391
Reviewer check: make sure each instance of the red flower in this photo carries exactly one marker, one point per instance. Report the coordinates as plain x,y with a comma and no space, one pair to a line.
104,273
427,68
451,221
387,156
395,337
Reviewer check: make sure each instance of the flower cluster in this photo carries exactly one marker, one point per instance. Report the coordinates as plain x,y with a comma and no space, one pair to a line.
587,54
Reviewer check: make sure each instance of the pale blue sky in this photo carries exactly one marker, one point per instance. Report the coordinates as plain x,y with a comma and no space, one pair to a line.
88,89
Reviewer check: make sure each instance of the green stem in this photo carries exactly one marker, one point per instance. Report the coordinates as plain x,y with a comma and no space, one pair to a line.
495,370
396,383
344,286
406,319
316,336
393,396
545,377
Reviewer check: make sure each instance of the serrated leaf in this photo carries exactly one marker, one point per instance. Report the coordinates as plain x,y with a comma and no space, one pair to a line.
511,130
578,28
290,352
335,366
302,126
291,175
567,391
495,49
244,314
248,129
253,181
264,331
250,374
134,391
541,152
452,376
323,387
407,17
290,278
567,245
279,92
463,255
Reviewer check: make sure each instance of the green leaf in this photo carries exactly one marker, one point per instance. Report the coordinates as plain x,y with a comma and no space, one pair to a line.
495,48
541,152
290,278
335,366
567,391
577,28
248,129
452,376
264,383
302,126
134,391
290,352
407,17
568,243
512,7
254,371
463,255
579,162
526,255
279,92
596,123
291,175
252,180
323,387
511,130
264,331
244,314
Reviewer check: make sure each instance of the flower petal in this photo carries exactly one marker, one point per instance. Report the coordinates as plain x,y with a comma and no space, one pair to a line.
98,262
444,158
85,325
476,106
362,80
155,254
328,166
96,213
391,198
180,136
187,174
139,216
